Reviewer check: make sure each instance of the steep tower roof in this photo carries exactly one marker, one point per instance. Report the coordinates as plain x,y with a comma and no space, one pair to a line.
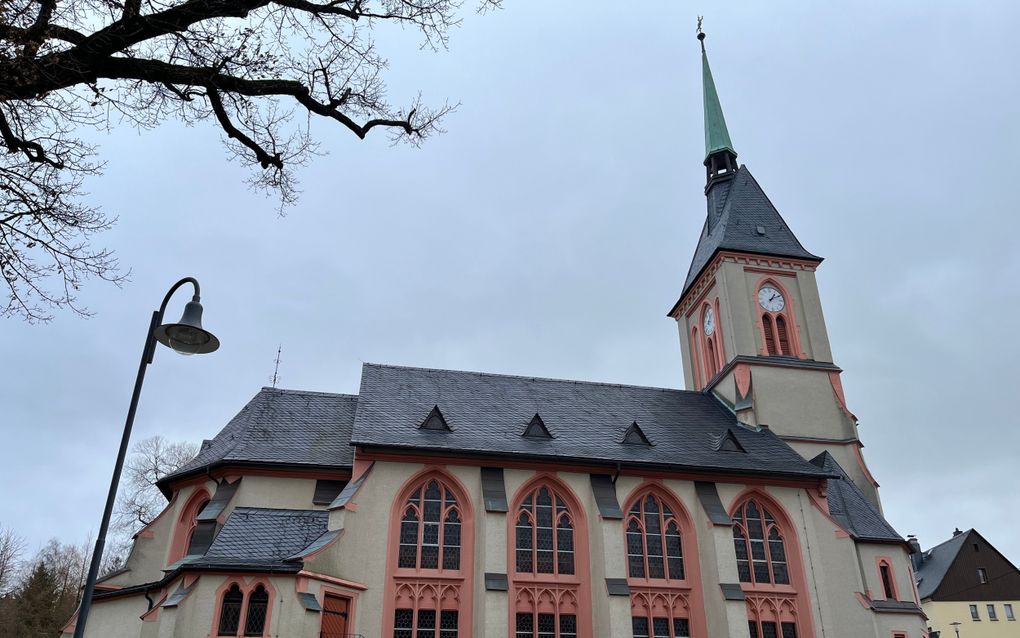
740,216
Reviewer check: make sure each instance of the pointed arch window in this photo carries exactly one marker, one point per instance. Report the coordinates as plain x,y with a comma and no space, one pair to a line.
187,523
549,558
431,575
779,336
230,611
711,337
764,551
430,529
255,618
664,593
544,534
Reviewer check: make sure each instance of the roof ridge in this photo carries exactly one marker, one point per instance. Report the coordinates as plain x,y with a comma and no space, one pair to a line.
533,378
950,540
267,388
278,510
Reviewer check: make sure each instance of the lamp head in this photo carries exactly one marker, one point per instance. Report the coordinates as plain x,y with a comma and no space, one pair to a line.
187,336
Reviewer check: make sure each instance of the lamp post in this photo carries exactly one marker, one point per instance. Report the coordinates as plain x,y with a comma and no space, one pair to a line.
185,337
956,627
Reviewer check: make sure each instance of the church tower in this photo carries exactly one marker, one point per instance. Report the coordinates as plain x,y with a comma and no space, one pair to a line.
751,326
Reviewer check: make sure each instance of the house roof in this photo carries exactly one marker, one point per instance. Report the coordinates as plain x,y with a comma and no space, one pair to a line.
741,218
936,564
488,414
849,506
261,538
290,427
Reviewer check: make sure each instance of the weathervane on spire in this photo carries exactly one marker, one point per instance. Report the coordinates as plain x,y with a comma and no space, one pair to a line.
701,34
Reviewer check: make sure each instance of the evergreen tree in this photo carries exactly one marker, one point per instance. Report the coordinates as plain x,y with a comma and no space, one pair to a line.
35,615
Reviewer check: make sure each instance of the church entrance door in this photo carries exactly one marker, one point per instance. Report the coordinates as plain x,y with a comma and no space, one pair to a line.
334,617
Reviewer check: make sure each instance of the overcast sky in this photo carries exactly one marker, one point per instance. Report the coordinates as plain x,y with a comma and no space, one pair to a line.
549,231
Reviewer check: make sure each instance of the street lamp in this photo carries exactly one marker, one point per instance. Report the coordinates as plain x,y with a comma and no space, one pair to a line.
186,337
956,626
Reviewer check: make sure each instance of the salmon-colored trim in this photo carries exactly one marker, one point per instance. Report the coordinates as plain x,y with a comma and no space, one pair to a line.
696,358
798,587
701,297
579,582
247,584
774,272
885,560
837,388
416,456
913,581
862,599
363,467
789,317
862,464
339,535
146,531
333,580
185,525
691,584
721,350
461,579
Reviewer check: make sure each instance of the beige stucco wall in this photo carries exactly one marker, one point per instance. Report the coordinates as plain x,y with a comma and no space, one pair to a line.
942,614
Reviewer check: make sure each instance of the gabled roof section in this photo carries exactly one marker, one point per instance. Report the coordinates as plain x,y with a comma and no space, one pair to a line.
434,421
937,562
489,410
281,427
849,506
635,436
536,429
741,218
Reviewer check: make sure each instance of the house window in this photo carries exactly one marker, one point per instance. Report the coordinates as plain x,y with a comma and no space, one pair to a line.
431,577
769,629
974,613
1009,612
991,612
660,627
982,575
230,611
430,529
531,625
761,552
654,543
888,584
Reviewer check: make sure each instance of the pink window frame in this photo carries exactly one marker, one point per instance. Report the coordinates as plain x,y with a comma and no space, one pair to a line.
699,381
886,561
557,594
186,523
665,593
788,315
769,601
247,586
448,589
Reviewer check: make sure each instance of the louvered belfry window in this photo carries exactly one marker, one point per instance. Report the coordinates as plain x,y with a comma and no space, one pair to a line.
761,552
230,611
654,543
544,534
430,529
770,335
255,619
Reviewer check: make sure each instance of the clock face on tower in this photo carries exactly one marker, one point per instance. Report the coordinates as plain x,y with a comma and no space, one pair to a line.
771,299
709,322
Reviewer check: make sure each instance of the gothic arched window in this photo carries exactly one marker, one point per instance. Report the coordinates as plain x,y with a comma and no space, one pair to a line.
230,611
550,564
187,521
664,593
431,575
430,529
711,345
255,619
544,534
654,543
776,313
765,546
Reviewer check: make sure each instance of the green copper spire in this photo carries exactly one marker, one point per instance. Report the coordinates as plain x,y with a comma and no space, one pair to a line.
717,138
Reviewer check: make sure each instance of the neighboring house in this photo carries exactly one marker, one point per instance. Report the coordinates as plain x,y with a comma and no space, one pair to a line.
967,586
446,504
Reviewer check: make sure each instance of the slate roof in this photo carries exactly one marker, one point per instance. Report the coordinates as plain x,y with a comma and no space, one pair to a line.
289,427
488,413
260,538
737,208
937,562
849,506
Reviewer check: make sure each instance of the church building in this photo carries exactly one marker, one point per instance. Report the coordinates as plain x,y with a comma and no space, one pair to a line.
450,504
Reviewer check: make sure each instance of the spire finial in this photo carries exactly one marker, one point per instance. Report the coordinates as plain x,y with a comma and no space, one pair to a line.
701,34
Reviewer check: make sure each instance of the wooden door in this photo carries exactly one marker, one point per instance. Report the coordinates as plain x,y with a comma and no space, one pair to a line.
334,616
